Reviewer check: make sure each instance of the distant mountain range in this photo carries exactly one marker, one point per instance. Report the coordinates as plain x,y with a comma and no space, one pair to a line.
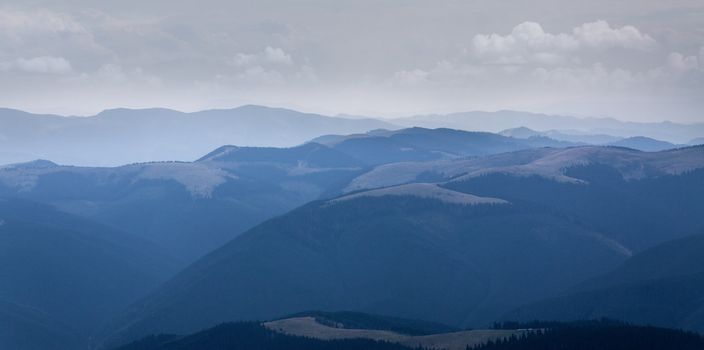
123,136
502,120
697,141
641,143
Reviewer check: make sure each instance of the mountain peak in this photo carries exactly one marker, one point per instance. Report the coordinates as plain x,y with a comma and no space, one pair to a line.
35,164
521,132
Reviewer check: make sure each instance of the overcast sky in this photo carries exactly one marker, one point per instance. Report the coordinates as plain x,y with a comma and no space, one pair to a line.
634,59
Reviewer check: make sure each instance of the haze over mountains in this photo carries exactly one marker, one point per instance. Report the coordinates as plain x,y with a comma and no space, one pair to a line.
502,120
450,226
396,251
351,175
190,208
123,136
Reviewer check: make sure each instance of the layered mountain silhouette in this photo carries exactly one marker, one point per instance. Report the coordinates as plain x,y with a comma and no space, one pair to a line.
697,141
640,143
192,208
188,208
574,136
506,119
421,144
122,136
644,144
449,226
460,251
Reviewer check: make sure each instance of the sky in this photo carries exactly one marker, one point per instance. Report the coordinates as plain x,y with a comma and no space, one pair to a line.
633,60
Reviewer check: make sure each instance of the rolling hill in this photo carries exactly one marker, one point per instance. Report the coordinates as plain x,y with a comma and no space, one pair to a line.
568,135
462,251
640,143
194,207
637,198
329,330
312,327
662,286
252,336
421,144
189,208
457,260
63,276
644,144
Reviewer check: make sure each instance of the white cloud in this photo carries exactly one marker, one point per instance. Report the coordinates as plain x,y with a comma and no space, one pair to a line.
680,62
243,60
111,72
271,66
680,70
42,64
277,56
600,34
528,42
411,77
16,24
269,56
530,57
527,36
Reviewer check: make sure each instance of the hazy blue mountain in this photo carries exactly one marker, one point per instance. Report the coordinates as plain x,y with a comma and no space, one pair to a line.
662,286
644,144
640,143
420,144
62,276
194,207
122,136
582,137
502,120
524,170
638,199
447,257
697,141
310,154
567,135
520,132
189,208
